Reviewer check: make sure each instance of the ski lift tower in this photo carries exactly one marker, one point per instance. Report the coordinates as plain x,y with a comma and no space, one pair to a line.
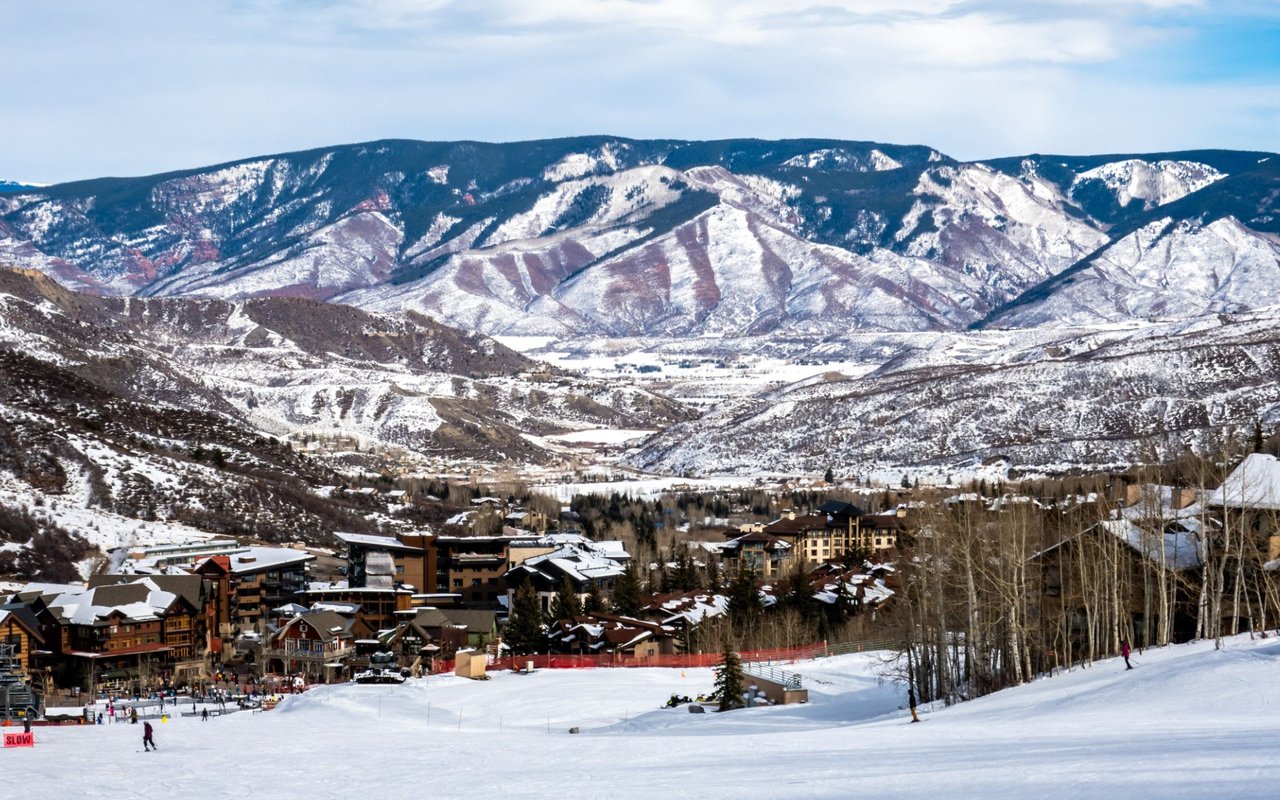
17,698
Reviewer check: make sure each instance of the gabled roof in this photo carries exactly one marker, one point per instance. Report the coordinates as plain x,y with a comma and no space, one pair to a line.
771,543
836,508
1179,541
189,587
1255,484
139,601
22,615
327,625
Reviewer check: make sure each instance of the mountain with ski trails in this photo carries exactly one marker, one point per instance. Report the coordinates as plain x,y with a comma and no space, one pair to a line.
797,304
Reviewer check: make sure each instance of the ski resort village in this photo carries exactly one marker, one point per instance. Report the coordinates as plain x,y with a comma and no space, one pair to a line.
640,400
1047,634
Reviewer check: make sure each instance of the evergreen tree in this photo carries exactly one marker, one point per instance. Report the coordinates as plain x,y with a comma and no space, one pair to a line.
525,634
566,604
627,592
1257,436
729,681
830,476
594,601
745,604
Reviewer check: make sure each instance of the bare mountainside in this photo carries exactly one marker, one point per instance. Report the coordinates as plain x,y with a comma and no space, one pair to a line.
301,368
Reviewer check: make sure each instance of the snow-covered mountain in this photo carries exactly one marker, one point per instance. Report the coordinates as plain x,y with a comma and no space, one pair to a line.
607,236
1042,398
792,249
309,370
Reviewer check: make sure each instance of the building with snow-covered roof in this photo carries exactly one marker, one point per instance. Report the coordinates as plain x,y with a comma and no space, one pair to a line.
1117,567
583,565
609,633
1249,500
406,560
1253,485
124,636
250,582
315,645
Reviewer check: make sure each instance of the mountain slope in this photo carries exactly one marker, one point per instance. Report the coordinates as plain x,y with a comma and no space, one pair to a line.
1039,399
609,236
293,367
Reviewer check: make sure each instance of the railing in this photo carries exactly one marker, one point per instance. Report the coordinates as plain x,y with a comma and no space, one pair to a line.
787,680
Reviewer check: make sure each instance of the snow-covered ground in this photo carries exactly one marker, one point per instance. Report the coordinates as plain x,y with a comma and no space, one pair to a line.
1189,722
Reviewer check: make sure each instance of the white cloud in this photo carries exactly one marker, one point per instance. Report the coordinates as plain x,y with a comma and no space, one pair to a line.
135,87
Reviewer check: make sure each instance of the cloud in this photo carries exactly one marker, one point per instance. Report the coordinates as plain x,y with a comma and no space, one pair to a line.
140,86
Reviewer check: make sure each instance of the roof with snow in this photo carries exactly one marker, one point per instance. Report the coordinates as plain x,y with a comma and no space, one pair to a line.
1254,484
139,601
387,543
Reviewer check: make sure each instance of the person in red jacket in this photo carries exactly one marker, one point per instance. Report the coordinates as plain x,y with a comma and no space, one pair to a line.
147,742
1124,651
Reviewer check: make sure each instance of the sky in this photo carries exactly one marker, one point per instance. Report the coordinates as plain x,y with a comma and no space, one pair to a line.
138,86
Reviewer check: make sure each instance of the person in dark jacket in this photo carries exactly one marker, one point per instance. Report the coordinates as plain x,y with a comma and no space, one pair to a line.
148,743
1125,651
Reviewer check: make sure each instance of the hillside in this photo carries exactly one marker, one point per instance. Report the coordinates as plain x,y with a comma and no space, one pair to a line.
1185,724
605,236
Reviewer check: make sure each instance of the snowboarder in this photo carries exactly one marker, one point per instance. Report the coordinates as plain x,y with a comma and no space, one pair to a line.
148,743
1124,651
911,701
204,715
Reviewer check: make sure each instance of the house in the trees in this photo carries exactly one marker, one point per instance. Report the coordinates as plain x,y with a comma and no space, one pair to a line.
762,553
579,560
1249,500
1117,580
610,633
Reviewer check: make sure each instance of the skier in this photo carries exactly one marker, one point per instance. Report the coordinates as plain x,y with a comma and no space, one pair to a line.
133,716
204,715
148,743
1124,651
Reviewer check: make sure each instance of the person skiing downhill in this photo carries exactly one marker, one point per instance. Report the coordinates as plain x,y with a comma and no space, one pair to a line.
1124,651
147,742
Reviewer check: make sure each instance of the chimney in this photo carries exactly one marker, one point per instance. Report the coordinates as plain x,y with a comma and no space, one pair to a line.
1181,498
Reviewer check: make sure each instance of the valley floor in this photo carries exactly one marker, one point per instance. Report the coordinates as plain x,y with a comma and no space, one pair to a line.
1189,722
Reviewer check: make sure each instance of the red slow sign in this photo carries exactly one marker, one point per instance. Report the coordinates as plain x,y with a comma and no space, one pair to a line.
19,740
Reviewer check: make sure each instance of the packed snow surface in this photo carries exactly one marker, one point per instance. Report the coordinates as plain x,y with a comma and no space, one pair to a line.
1189,722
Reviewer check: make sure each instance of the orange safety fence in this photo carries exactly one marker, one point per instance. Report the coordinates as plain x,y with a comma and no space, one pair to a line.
677,661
